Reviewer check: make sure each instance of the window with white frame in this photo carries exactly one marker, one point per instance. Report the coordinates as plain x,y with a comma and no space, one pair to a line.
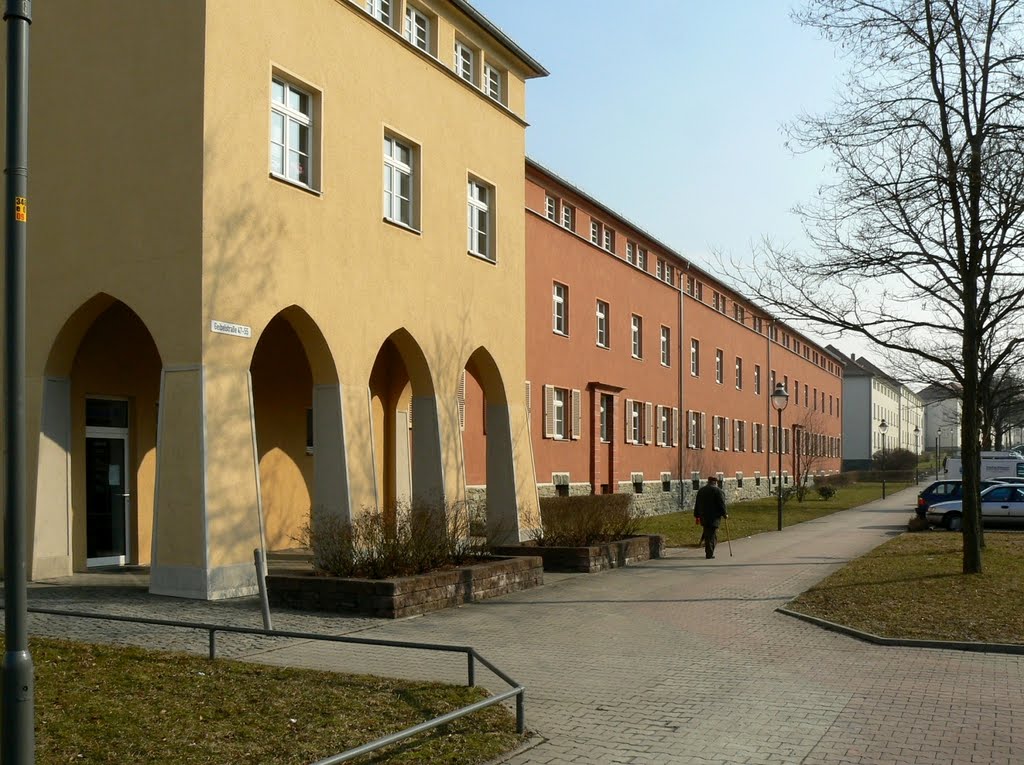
757,379
480,198
670,274
666,347
568,217
739,436
606,416
465,62
659,268
719,366
758,325
692,423
609,239
630,253
417,28
558,412
380,10
695,357
636,422
560,309
637,337
399,163
550,207
291,132
739,373
641,258
602,323
717,433
757,437
595,232
493,82
664,426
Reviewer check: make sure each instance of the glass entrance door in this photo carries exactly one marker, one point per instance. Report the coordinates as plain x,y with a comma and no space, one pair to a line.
106,483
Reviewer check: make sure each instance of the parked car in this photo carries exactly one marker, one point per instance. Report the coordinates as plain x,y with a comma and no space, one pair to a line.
944,491
1008,479
1003,503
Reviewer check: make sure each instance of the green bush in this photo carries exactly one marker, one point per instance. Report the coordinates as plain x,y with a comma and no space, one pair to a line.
399,541
586,520
826,492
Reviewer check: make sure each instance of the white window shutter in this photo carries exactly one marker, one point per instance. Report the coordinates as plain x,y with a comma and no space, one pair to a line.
658,435
462,400
577,414
629,421
674,427
549,411
648,422
725,434
703,430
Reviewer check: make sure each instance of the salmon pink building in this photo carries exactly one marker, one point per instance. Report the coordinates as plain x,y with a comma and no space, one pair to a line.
645,373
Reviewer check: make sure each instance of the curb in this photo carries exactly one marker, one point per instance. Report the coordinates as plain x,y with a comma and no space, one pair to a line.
944,645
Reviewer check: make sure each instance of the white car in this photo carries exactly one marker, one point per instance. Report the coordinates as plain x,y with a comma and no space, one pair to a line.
999,504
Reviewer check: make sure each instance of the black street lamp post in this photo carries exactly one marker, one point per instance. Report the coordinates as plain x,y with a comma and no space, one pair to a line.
938,433
883,426
780,400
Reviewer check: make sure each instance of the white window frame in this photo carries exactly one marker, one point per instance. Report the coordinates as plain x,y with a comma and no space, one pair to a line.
289,116
395,169
739,373
630,249
465,62
666,347
664,426
559,405
605,403
641,258
595,232
609,239
550,207
694,357
636,417
637,336
493,84
568,217
560,309
480,219
659,269
602,312
719,366
417,28
380,10
757,379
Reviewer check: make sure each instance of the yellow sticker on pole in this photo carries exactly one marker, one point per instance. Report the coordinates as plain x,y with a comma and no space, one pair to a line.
21,209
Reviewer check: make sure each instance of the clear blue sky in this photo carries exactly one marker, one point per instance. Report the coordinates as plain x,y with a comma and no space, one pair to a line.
669,111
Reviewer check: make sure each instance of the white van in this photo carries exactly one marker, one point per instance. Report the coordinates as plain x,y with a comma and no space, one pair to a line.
991,467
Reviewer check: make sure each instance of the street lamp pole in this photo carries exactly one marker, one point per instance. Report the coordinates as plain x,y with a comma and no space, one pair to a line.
883,426
780,400
938,433
917,454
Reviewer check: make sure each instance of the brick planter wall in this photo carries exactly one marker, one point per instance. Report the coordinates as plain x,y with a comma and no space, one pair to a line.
593,558
404,596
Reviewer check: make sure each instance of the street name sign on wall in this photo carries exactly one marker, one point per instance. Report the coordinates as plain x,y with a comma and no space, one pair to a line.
226,328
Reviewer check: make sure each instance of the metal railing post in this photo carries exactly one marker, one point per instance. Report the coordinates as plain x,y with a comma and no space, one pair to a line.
213,644
521,712
261,580
471,673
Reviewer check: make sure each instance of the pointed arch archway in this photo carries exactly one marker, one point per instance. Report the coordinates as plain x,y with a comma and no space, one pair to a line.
406,436
96,456
487,447
298,427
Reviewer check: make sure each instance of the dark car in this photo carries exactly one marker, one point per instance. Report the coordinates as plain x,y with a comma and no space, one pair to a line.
943,491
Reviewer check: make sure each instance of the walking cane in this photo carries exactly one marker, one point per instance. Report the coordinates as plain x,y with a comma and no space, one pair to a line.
728,536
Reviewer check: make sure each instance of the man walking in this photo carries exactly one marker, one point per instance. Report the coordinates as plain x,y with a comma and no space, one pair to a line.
709,506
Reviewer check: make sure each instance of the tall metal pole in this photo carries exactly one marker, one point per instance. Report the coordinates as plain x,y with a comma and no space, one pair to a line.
18,735
780,469
937,432
883,465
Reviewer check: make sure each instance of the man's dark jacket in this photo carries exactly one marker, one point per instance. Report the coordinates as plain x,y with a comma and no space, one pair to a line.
709,505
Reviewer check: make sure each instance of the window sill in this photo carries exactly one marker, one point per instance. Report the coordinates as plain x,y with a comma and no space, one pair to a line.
602,347
484,258
637,358
402,226
295,184
560,334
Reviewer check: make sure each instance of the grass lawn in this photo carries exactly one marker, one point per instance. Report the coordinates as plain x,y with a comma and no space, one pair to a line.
760,515
112,704
911,587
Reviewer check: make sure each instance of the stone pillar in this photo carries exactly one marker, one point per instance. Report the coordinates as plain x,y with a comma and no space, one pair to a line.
207,518
51,554
330,468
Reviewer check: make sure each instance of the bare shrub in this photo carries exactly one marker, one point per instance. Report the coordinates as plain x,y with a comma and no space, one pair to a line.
586,520
400,540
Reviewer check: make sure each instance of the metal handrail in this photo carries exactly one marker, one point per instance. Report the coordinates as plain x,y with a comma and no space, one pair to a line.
472,657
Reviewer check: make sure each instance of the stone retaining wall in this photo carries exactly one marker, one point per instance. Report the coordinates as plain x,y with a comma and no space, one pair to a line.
404,596
594,558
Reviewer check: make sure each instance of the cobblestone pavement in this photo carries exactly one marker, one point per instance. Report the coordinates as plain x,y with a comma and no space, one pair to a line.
679,660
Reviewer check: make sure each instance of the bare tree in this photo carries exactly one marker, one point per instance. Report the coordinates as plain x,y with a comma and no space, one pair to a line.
810,448
918,238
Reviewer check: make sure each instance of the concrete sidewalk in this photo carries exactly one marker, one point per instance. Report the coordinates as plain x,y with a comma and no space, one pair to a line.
680,660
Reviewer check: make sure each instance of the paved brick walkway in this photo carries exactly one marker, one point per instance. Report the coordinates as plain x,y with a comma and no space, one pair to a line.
679,660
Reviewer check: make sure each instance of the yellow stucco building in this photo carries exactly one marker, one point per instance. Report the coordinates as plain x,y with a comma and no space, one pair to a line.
266,242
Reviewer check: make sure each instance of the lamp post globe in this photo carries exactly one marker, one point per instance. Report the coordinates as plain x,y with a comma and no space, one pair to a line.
883,426
780,400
